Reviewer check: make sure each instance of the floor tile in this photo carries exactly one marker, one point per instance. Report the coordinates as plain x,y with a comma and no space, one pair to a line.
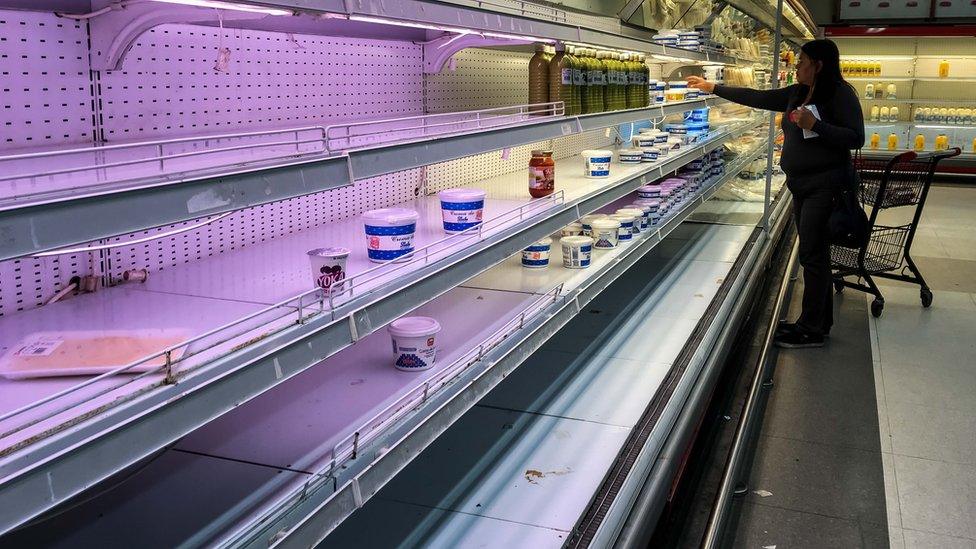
896,538
408,525
892,503
936,496
834,481
929,384
606,390
927,337
823,416
774,526
876,536
512,466
941,274
926,540
933,433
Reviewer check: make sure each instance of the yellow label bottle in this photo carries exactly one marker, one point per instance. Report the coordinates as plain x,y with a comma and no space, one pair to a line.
944,69
892,142
974,145
875,141
941,142
919,142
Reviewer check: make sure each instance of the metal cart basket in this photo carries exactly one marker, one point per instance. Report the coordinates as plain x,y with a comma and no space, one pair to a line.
899,182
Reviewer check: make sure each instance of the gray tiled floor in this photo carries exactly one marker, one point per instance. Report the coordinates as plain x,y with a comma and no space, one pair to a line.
925,361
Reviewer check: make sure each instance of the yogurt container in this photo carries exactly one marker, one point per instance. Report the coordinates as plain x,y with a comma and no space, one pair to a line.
414,342
658,93
389,233
663,148
536,256
577,251
648,191
630,156
692,93
625,232
587,222
328,267
573,229
596,163
461,209
645,218
649,154
637,214
605,233
644,140
675,94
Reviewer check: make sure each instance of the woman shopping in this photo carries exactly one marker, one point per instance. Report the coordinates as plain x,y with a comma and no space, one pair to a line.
823,123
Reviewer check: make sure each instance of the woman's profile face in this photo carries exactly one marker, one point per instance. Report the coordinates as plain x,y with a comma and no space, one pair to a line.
806,70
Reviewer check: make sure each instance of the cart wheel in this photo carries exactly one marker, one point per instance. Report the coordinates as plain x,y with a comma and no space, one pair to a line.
877,306
838,286
926,295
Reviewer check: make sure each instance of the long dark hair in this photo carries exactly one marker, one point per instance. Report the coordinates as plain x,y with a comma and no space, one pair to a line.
829,76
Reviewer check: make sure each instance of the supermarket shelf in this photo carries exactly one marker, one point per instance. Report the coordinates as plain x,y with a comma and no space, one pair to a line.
299,516
915,101
159,183
908,79
922,125
107,435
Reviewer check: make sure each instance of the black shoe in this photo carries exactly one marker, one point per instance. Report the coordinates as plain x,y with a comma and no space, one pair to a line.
784,328
798,339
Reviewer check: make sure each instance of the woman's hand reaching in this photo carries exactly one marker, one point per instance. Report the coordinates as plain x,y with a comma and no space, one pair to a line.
701,84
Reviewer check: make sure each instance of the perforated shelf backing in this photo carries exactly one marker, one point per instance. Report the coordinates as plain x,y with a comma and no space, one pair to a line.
45,81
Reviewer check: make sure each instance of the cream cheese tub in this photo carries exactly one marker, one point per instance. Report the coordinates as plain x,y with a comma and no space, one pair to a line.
648,191
573,229
630,156
605,233
536,256
389,233
645,219
587,222
414,342
461,209
626,229
637,214
596,163
577,251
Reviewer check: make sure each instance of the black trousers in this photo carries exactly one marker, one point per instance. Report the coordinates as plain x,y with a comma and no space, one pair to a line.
813,197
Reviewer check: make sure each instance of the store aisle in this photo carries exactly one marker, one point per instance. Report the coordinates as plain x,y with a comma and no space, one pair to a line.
925,369
841,465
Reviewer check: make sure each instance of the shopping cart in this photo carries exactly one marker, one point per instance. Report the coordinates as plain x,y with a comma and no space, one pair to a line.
899,182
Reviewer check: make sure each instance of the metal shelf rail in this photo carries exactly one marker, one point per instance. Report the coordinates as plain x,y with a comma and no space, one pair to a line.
70,455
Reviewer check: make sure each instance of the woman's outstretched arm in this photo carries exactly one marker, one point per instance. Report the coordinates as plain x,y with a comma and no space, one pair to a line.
770,100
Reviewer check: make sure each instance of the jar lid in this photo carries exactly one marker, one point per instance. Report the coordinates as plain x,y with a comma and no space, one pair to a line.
605,223
393,216
414,326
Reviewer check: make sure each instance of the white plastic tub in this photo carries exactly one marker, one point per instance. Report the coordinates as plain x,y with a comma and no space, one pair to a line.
414,342
630,156
461,209
587,222
389,233
626,221
536,256
597,163
637,214
605,233
577,251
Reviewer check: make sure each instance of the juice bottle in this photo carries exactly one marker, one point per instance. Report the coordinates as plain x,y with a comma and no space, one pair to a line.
892,142
561,78
944,69
941,142
645,80
919,142
595,82
574,63
539,81
875,141
629,80
604,77
621,74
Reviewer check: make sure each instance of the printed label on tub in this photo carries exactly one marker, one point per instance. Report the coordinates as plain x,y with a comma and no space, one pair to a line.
385,243
597,166
411,357
577,257
459,216
42,346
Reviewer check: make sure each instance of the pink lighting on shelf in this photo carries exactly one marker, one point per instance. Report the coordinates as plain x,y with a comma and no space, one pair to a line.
218,4
457,30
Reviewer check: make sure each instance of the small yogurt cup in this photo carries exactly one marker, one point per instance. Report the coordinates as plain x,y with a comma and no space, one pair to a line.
637,214
389,233
329,267
626,230
605,233
587,222
414,342
649,154
536,256
643,140
663,148
577,251
461,209
573,229
653,203
630,156
596,163
648,191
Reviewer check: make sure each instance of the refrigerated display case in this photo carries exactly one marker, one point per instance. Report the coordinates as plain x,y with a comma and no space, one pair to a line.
927,77
169,165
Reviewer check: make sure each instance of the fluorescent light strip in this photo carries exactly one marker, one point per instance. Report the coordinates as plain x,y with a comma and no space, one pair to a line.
217,4
457,30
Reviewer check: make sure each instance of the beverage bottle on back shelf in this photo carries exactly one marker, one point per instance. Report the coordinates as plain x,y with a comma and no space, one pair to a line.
584,80
618,77
561,79
608,91
538,80
579,80
645,96
594,81
633,81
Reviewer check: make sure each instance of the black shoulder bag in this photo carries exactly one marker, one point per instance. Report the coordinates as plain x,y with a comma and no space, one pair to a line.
848,225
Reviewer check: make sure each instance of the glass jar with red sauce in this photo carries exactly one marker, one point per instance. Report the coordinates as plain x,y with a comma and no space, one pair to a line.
542,174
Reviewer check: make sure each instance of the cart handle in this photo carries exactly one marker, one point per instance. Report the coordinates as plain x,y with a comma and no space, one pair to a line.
940,155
